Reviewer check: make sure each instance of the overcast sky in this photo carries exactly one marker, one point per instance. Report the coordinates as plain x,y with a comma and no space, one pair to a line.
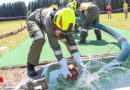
7,1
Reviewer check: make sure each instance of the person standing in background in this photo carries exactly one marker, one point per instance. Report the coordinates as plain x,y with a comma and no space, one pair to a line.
125,8
109,11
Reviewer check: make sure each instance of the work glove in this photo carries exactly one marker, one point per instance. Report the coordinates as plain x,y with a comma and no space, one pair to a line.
64,68
77,58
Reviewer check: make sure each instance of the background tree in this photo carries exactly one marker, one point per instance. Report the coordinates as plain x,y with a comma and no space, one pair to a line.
20,9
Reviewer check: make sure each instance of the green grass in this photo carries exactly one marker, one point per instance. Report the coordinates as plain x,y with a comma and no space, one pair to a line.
117,21
10,26
13,41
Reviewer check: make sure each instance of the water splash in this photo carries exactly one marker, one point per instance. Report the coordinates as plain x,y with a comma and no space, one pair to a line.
92,80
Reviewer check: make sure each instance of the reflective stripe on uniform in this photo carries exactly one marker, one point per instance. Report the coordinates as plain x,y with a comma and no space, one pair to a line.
58,52
38,37
46,17
74,47
63,40
84,30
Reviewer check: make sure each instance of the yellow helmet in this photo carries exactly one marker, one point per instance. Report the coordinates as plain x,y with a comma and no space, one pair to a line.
65,19
72,5
53,6
84,6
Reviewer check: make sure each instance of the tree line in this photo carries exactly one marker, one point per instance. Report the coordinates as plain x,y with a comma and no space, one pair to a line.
13,9
20,9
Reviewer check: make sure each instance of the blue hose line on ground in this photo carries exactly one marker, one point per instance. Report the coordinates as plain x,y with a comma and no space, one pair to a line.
108,30
125,48
124,53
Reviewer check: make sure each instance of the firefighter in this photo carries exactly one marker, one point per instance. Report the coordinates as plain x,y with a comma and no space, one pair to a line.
89,13
56,24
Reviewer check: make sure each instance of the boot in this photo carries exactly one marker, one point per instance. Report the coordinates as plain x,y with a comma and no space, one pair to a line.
83,36
30,70
98,34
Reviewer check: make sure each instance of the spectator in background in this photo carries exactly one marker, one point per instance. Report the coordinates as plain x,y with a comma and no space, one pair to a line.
109,11
125,8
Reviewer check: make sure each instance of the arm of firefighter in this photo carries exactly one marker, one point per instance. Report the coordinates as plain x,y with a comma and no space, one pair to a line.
53,41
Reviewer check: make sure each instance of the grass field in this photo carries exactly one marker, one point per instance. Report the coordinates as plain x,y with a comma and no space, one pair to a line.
117,21
10,26
13,41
